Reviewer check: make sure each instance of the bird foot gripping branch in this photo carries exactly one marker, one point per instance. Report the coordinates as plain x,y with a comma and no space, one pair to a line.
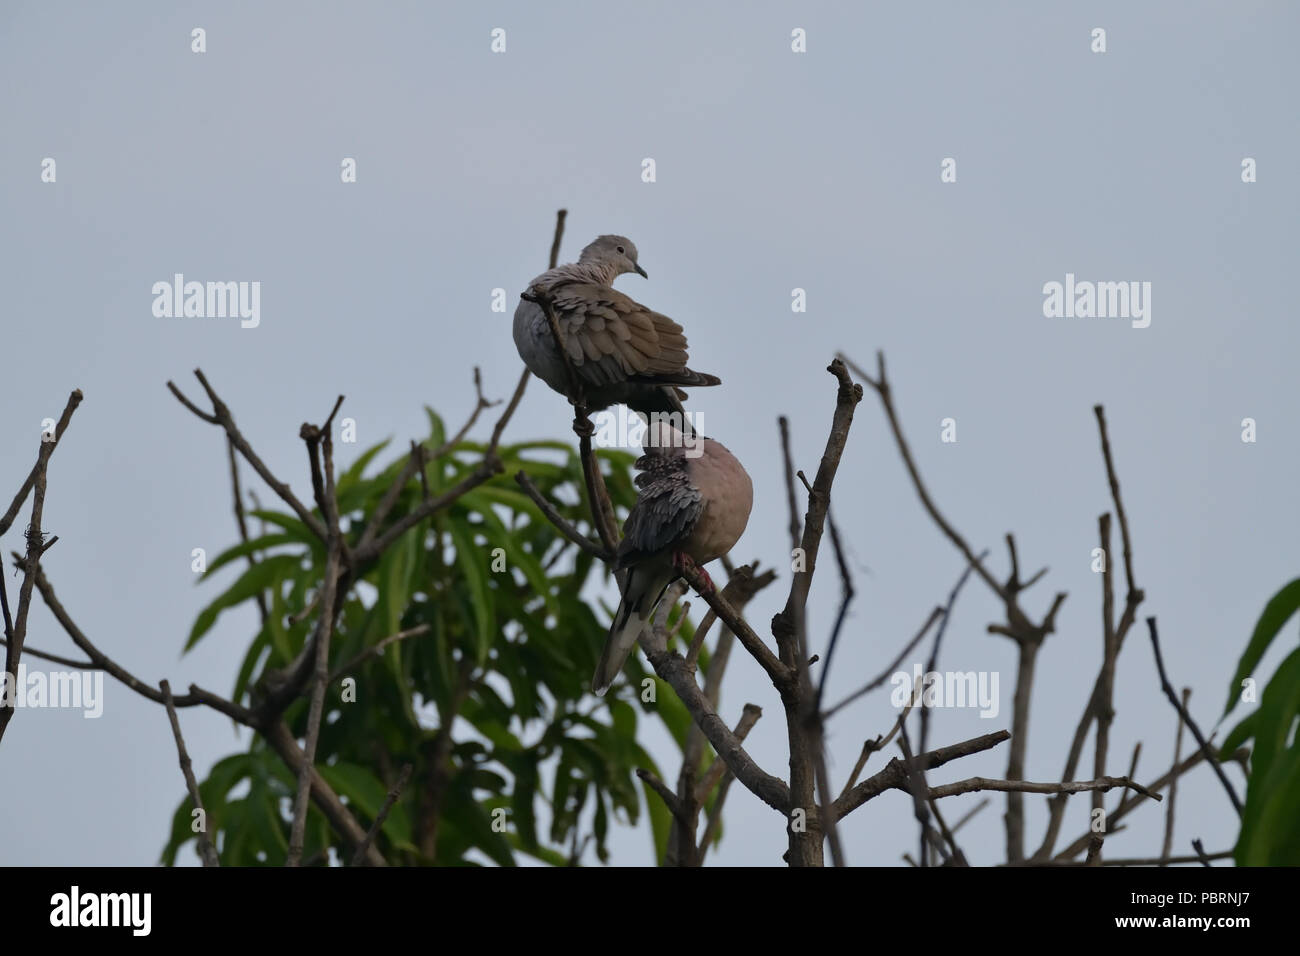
685,563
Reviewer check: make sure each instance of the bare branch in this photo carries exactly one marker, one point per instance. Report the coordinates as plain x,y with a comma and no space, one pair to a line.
359,857
776,670
1126,807
44,655
748,718
1168,688
914,778
1199,847
1147,861
847,398
321,640
1100,412
221,416
935,614
1168,847
697,640
16,633
559,234
932,664
671,667
1025,786
665,793
374,650
240,521
340,819
206,850
894,774
47,449
1105,710
565,527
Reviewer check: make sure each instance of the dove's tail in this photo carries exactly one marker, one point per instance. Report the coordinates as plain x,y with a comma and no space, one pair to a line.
644,588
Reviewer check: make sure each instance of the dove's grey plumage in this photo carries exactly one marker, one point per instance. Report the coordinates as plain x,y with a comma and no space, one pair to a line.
693,506
622,352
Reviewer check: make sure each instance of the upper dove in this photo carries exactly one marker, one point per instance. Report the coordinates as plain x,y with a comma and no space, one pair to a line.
622,352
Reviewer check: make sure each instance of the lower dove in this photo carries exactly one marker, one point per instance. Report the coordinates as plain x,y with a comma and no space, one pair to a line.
690,510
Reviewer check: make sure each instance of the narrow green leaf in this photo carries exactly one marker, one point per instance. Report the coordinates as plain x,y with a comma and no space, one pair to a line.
252,582
473,561
1276,715
244,548
1276,613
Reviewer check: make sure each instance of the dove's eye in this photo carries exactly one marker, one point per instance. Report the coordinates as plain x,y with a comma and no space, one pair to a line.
620,250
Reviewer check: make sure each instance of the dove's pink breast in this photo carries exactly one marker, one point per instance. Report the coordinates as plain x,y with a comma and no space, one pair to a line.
728,495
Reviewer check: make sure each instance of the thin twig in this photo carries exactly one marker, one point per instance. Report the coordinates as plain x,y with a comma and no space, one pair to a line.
651,779
1168,688
359,857
52,658
1201,855
847,593
1168,848
914,775
559,234
932,664
697,640
1110,650
1132,774
206,850
975,784
221,416
1125,808
935,614
1136,861
893,775
47,447
563,525
374,650
324,630
748,718
17,633
241,522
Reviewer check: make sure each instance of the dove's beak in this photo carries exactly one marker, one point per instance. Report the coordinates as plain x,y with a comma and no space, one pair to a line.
640,270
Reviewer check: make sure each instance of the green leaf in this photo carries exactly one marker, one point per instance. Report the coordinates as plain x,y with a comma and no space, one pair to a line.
291,526
1240,734
541,853
1270,826
394,583
1276,613
256,652
437,430
472,560
244,548
275,623
353,475
251,583
523,800
474,822
1277,712
500,537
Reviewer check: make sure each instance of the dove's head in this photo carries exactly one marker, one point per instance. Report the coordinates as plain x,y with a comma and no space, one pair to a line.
615,253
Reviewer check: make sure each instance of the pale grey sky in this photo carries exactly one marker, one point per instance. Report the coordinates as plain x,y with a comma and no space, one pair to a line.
775,170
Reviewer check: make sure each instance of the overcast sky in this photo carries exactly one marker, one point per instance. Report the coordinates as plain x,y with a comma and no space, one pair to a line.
775,170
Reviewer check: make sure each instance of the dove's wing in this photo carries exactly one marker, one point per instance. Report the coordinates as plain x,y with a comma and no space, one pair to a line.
666,509
612,338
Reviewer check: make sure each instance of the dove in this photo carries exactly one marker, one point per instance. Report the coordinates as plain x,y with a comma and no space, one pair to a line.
692,507
622,352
